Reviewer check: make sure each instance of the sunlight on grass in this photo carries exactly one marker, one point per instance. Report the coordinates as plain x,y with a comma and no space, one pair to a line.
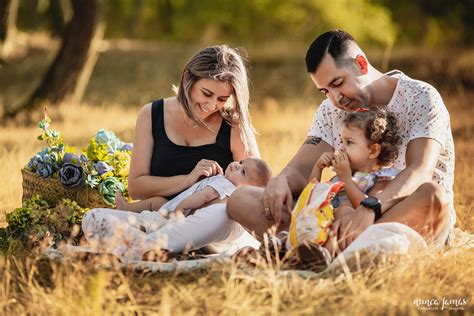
31,286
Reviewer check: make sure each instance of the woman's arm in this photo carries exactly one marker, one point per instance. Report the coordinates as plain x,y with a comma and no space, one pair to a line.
141,185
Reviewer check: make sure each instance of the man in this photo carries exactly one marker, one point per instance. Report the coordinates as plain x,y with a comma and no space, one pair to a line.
421,196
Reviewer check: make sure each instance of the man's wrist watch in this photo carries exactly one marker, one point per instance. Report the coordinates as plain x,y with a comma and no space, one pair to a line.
374,204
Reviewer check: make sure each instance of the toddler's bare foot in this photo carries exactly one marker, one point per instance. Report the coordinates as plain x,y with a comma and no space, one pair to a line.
120,202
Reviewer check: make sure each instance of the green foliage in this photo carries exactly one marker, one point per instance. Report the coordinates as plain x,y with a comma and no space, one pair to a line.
380,22
433,23
36,221
4,242
210,21
52,137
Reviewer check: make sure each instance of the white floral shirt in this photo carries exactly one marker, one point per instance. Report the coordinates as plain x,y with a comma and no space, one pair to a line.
421,113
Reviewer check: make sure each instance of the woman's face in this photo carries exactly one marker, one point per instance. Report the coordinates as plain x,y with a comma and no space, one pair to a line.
209,96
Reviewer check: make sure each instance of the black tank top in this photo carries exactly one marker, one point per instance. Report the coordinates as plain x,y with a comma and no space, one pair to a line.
170,159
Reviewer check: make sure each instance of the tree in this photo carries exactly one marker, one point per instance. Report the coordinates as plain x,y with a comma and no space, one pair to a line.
60,80
8,16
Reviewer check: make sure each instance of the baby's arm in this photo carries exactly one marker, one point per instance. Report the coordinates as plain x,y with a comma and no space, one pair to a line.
353,192
197,199
323,162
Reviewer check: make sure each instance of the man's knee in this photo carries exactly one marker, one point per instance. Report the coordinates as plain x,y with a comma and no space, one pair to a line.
436,198
434,194
239,201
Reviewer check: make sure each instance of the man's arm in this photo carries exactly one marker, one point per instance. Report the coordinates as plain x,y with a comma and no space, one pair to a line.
278,195
299,168
421,157
197,199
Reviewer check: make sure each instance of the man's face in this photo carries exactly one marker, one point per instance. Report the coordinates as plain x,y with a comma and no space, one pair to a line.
342,85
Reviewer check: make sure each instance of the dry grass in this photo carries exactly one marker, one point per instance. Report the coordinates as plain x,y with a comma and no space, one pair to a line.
31,286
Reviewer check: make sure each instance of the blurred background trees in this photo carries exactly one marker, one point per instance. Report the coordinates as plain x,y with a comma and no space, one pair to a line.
430,22
273,31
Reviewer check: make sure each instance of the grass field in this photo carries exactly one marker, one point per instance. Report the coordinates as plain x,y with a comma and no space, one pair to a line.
32,286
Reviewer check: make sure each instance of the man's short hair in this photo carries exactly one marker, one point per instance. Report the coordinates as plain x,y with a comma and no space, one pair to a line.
334,42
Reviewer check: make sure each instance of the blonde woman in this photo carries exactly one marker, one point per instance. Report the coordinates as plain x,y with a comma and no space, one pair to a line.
180,140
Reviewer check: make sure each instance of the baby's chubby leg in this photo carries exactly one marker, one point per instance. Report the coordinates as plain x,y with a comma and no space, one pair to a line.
151,204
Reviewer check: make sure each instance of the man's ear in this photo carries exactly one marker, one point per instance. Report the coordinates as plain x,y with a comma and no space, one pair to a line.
362,63
375,150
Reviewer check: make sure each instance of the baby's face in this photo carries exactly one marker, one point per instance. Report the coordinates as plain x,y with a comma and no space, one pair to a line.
356,146
242,172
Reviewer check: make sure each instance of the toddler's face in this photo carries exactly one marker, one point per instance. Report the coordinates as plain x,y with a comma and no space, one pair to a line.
242,172
356,146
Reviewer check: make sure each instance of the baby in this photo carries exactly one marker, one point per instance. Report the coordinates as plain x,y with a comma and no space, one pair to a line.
215,189
369,147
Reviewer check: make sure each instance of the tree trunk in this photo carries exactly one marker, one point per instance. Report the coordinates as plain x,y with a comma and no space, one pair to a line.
8,17
3,19
60,80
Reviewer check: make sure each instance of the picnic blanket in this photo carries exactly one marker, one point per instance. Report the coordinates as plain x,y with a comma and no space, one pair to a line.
378,241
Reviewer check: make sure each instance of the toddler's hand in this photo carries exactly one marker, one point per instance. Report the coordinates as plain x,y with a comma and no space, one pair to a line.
341,165
325,160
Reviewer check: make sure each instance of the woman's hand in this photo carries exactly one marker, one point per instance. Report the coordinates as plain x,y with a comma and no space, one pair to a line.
325,160
204,168
341,165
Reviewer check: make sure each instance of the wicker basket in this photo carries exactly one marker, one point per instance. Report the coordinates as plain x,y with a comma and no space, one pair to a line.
53,191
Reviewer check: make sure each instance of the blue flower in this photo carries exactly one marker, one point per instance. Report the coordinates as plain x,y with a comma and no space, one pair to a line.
71,158
83,158
44,163
106,137
102,167
127,146
70,175
45,169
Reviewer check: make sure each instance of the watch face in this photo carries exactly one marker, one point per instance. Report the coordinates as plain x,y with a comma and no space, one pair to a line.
371,201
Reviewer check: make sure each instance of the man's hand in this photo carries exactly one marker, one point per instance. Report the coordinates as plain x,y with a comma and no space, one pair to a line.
277,199
351,224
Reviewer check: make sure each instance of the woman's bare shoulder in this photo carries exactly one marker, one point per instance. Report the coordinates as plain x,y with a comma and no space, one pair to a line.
144,113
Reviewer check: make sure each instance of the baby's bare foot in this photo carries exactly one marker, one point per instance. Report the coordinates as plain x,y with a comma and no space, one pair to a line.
120,202
160,255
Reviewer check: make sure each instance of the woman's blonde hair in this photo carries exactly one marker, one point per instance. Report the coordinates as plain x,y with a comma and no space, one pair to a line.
224,64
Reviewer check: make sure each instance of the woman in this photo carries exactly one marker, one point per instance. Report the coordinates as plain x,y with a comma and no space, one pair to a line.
196,133
177,141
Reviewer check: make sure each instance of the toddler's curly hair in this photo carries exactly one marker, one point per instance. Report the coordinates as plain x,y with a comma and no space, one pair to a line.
379,127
